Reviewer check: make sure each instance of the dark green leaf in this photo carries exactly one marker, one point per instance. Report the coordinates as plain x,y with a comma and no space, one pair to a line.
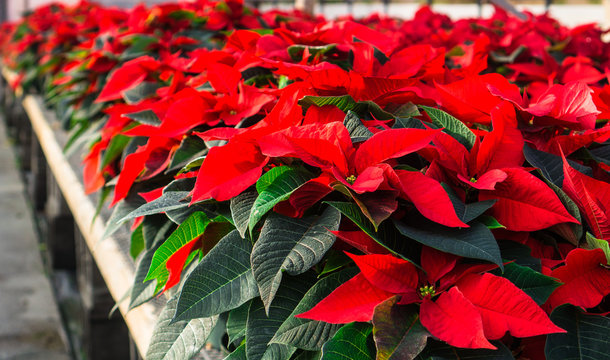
180,214
156,228
236,322
452,126
241,207
357,131
178,340
310,334
539,287
436,350
467,212
136,245
291,245
572,232
398,333
140,92
238,354
408,123
174,197
262,327
154,231
387,235
222,281
587,337
353,212
551,165
519,253
114,149
274,186
124,207
352,342
335,260
475,242
191,148
146,117
309,355
139,46
142,289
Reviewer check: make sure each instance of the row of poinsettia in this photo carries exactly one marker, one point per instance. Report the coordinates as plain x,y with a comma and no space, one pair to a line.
440,187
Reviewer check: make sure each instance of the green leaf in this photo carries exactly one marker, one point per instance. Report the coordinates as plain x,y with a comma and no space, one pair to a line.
262,327
353,212
386,236
180,214
408,123
155,229
238,354
236,322
551,165
587,337
352,342
296,51
175,196
538,286
436,350
241,207
274,186
191,148
519,253
140,92
146,117
178,340
310,334
291,245
189,230
309,355
467,212
222,281
357,131
154,232
572,232
344,102
124,207
452,126
491,222
475,242
398,333
114,149
595,243
136,244
335,260
142,289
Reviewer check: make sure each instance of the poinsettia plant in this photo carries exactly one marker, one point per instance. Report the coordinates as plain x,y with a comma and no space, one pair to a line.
342,189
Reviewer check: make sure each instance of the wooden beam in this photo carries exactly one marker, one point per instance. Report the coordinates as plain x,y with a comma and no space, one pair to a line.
116,266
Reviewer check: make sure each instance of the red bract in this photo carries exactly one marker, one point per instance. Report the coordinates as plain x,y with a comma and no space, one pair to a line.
585,278
477,309
286,133
126,77
229,170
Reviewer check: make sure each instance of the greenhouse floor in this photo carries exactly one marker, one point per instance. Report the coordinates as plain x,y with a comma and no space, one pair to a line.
30,325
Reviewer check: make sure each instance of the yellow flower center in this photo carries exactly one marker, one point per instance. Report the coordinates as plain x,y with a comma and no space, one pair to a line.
427,290
351,179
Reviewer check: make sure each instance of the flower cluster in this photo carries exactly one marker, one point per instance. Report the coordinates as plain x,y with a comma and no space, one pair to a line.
372,188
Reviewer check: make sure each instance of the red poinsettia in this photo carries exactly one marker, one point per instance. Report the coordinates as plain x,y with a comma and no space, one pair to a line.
459,305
